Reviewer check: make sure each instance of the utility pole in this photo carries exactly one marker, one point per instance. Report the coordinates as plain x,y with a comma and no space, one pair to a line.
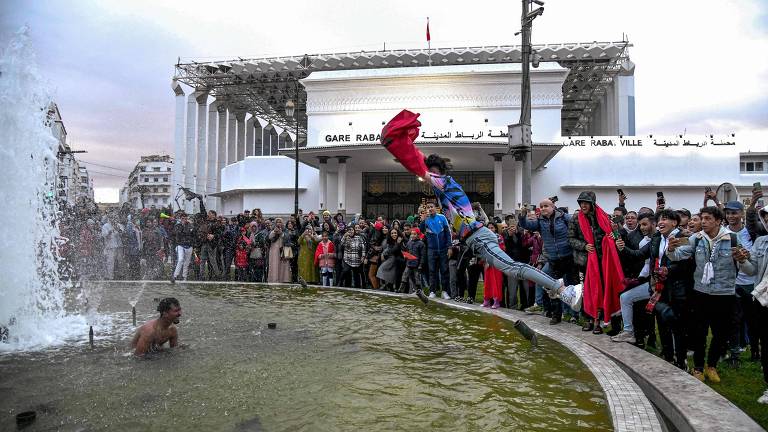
520,141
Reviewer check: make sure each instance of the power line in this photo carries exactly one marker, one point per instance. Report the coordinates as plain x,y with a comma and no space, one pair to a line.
105,166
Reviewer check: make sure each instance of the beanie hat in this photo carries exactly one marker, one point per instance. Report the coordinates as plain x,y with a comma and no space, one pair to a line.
326,213
378,225
410,219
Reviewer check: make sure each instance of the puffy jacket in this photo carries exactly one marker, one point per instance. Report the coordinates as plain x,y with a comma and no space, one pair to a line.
680,273
416,248
437,232
554,233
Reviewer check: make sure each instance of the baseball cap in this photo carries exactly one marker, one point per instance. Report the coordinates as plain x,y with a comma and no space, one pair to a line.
734,205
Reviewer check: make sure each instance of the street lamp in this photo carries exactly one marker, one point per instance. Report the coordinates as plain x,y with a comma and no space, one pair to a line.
290,109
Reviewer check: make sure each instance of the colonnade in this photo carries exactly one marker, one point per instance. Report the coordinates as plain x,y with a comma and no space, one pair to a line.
210,134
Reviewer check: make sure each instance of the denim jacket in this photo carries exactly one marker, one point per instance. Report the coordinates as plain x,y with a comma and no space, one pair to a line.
724,280
758,258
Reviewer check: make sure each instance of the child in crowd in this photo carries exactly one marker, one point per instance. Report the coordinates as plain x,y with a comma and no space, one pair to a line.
325,259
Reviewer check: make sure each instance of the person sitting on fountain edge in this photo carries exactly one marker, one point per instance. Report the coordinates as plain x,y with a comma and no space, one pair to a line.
397,136
153,334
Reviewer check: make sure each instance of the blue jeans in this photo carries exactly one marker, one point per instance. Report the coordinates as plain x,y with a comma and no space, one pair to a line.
485,245
628,299
438,261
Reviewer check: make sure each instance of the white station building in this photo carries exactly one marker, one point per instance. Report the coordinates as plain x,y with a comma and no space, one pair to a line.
236,146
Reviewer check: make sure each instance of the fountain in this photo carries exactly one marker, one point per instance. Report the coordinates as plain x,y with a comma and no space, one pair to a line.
32,296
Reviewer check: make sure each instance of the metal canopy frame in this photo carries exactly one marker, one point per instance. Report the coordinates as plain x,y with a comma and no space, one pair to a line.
262,86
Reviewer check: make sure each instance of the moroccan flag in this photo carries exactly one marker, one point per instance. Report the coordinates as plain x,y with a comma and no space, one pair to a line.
428,38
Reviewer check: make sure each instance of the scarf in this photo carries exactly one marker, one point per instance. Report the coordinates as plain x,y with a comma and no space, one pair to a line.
601,294
711,243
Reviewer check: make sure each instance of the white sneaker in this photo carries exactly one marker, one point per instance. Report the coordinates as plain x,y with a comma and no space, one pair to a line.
446,296
432,295
624,336
764,398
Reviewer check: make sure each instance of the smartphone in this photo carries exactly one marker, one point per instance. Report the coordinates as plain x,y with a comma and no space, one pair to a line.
734,241
757,186
620,192
553,199
660,197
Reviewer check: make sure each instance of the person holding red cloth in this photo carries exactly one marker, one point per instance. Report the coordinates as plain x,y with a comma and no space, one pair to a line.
594,248
397,137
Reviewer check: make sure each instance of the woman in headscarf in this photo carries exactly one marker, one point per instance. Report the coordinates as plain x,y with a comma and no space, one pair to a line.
306,262
279,264
393,262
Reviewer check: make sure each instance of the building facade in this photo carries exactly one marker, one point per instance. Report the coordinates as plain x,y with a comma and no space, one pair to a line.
237,142
149,184
71,181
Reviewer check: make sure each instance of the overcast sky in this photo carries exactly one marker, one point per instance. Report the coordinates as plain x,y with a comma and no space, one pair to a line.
701,64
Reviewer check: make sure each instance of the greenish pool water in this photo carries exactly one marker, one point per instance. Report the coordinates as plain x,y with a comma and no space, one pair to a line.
338,361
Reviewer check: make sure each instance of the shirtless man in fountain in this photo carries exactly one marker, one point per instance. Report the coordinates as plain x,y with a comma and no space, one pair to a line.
153,334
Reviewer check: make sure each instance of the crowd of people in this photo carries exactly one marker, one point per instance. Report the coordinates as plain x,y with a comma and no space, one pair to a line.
648,275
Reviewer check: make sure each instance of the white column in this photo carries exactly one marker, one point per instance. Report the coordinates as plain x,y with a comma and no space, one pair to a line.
323,180
498,183
249,134
213,151
342,195
191,150
202,144
178,139
231,139
518,184
240,116
221,157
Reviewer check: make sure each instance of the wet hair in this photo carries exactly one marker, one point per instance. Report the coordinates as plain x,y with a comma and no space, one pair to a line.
715,212
167,304
436,161
669,214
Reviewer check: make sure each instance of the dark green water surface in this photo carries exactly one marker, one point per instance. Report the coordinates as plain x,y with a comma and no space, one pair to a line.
338,361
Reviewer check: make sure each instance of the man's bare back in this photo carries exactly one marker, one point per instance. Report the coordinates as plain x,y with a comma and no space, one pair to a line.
151,336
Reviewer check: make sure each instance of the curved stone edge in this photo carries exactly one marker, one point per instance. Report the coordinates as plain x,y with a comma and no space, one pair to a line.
688,404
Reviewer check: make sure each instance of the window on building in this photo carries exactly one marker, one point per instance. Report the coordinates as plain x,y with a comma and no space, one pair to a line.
168,169
154,189
84,179
146,179
155,168
165,179
753,163
143,169
156,179
154,200
165,189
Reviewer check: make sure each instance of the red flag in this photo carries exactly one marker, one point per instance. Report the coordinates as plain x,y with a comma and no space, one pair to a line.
428,38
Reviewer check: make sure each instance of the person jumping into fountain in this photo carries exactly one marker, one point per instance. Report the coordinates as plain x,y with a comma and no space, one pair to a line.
397,136
151,336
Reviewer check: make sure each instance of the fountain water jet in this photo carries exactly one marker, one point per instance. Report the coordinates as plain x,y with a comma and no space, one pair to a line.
32,295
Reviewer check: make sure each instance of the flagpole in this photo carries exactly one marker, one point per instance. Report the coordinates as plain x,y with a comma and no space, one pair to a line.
429,44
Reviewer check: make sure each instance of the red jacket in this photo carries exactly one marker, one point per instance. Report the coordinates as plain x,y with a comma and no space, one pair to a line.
325,255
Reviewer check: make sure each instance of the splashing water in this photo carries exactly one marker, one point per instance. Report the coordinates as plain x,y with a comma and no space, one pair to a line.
32,295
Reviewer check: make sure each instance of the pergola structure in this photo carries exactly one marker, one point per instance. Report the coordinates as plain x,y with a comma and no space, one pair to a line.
262,86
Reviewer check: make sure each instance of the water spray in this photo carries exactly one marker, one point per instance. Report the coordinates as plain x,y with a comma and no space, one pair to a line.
90,337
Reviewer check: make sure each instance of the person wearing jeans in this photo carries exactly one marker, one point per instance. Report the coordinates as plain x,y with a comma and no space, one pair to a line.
184,236
397,137
717,264
552,224
758,258
438,235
